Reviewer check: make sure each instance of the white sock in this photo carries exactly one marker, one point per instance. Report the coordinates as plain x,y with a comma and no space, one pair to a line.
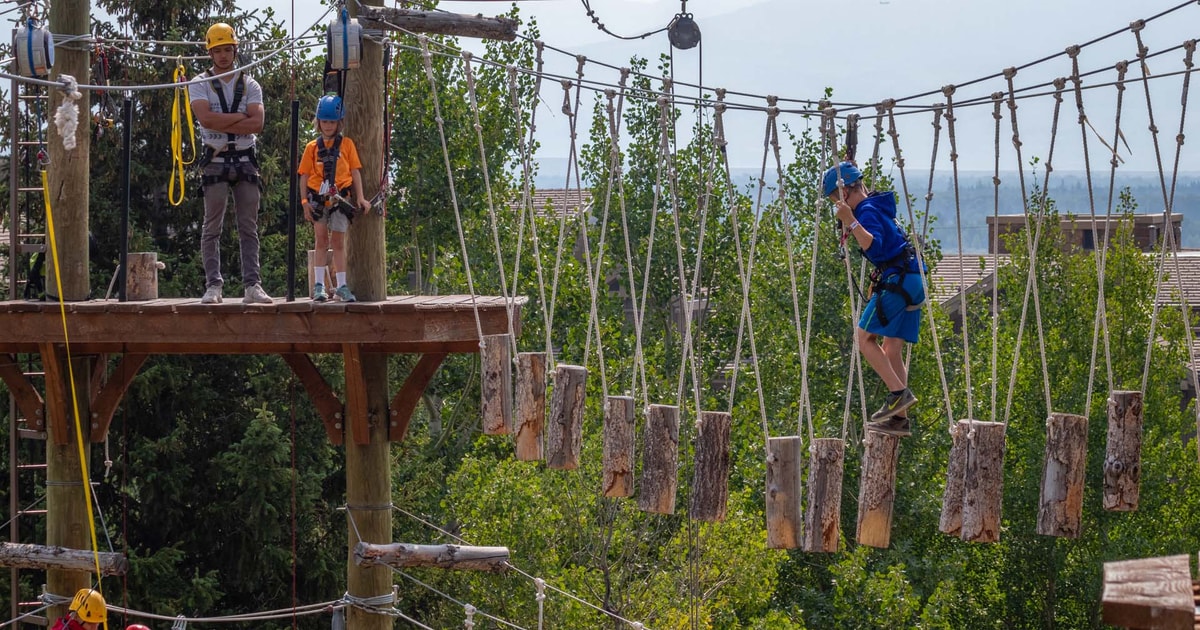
320,271
341,278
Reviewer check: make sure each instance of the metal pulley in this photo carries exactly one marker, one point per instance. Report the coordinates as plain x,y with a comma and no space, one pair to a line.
683,32
34,48
344,42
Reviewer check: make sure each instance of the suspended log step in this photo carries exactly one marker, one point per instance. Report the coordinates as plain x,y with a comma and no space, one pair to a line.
1061,503
983,482
710,478
1123,457
1149,593
783,509
956,472
404,555
23,556
565,432
618,446
877,489
141,283
823,520
496,406
659,459
530,410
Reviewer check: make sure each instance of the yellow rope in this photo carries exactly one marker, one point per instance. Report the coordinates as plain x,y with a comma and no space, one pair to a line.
62,307
177,162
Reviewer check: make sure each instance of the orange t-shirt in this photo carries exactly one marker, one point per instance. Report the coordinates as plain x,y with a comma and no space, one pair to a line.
315,169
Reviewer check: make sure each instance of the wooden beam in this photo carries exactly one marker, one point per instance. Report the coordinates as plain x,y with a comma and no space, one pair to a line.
113,392
439,23
99,375
52,557
402,555
356,395
321,394
29,401
56,392
1149,593
401,408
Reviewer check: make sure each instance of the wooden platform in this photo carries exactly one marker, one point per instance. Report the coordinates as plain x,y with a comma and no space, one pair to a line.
1150,593
432,326
403,324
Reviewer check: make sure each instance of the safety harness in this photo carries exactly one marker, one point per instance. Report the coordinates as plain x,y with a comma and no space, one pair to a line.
890,277
322,199
237,165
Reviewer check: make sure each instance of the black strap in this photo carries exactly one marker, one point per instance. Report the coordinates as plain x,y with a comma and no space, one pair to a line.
239,90
329,158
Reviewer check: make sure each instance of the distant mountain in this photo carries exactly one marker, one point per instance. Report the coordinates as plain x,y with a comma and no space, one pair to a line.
977,198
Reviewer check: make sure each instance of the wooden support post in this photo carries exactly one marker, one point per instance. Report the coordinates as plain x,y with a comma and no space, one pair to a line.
112,392
823,520
956,472
368,465
61,558
141,282
783,497
659,458
28,400
877,489
1123,459
357,413
1061,506
440,22
710,477
530,404
983,482
326,402
618,446
405,402
565,434
58,408
496,385
403,556
1149,593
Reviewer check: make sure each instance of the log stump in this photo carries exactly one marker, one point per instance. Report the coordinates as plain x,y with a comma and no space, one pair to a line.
983,482
823,520
710,478
956,469
530,408
141,281
1123,457
618,446
496,384
877,489
565,432
659,459
783,492
1061,504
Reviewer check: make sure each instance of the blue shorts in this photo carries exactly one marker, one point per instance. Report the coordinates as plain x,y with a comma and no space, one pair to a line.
903,321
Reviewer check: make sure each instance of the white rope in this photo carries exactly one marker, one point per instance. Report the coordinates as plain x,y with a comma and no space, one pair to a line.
462,239
487,184
948,91
572,115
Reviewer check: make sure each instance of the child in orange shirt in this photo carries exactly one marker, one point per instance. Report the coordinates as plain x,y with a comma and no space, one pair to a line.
330,170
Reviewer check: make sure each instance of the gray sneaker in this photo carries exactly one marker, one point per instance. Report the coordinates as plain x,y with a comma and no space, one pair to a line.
894,405
897,426
343,294
256,295
212,295
319,294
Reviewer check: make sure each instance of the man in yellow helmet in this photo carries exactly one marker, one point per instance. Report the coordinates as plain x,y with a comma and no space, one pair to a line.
229,106
86,612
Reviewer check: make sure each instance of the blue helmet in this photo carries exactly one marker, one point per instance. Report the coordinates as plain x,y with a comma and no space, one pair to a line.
329,107
850,175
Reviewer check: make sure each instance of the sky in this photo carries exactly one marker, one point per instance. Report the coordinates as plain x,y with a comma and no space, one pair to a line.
870,50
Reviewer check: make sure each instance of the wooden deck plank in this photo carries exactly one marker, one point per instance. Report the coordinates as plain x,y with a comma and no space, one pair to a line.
1149,593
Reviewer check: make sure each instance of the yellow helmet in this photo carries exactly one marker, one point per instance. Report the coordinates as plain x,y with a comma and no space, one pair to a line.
219,34
89,605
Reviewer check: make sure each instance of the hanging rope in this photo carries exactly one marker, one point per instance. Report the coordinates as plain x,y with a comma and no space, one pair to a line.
948,92
180,110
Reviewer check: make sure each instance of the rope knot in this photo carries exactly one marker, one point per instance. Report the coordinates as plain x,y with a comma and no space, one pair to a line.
772,100
467,56
625,75
1010,72
1060,84
1072,51
948,90
1136,26
540,584
888,104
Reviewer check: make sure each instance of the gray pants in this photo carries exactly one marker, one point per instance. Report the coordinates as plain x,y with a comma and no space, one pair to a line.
245,206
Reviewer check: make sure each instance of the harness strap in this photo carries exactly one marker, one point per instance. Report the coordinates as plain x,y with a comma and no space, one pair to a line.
329,158
239,90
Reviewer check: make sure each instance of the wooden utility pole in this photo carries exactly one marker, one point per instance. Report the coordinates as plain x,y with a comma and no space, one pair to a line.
368,462
368,466
66,509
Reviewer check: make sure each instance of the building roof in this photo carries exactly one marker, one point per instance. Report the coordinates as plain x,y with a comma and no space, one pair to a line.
1188,277
972,271
556,201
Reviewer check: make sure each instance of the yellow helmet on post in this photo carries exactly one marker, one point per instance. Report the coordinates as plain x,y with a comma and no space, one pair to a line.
219,34
89,605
